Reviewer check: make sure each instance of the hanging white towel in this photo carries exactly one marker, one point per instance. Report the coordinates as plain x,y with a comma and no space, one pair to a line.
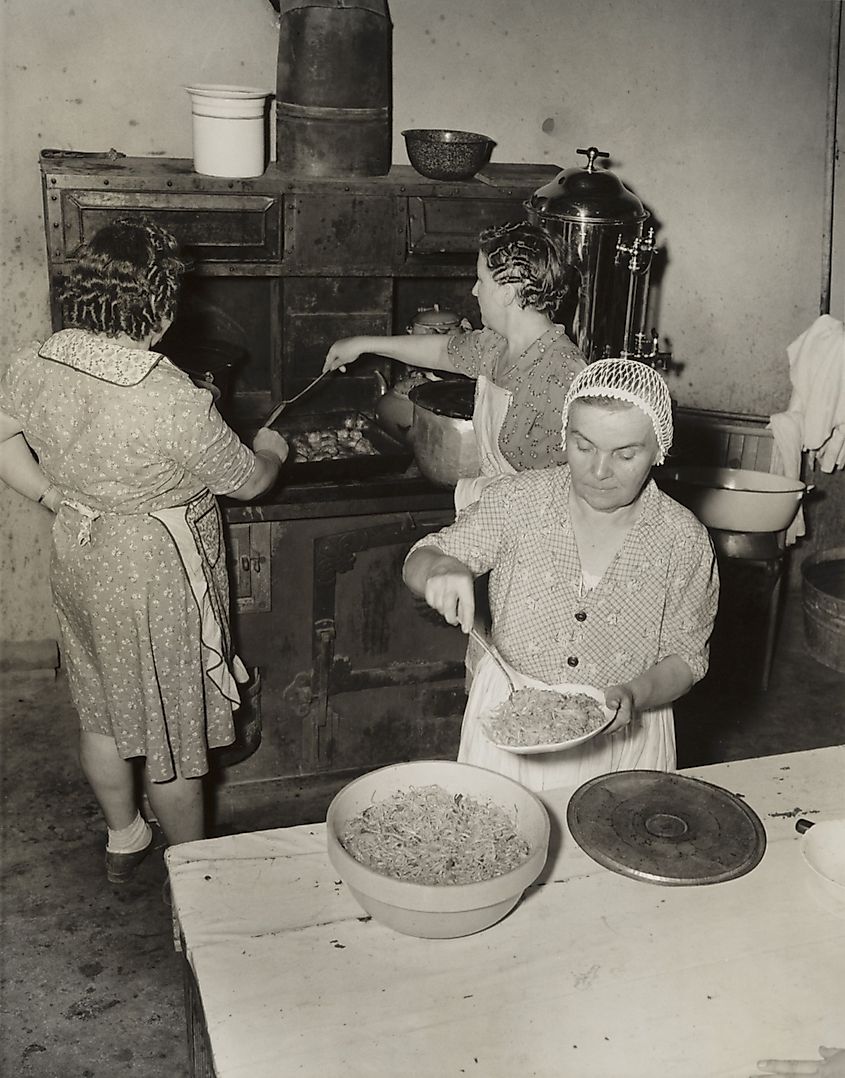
815,417
787,428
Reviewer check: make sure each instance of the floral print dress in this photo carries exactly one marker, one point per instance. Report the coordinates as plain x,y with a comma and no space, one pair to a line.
530,435
135,448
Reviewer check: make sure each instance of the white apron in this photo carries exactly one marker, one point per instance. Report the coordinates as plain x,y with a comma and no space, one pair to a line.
488,415
185,525
647,742
195,531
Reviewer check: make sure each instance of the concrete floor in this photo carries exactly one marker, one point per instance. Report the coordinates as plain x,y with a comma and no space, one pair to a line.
91,984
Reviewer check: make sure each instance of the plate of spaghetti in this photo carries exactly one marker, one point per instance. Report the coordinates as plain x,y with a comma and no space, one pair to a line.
549,719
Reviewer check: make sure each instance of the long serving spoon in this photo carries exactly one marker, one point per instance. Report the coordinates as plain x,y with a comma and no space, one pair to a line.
277,411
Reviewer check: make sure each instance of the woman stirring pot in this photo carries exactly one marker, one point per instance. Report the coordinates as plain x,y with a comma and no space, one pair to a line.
130,456
596,577
522,361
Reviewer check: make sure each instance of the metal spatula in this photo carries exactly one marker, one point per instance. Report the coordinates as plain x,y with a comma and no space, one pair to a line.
277,411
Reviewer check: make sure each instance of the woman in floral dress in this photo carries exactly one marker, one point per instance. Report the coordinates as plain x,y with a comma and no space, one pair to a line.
130,455
522,361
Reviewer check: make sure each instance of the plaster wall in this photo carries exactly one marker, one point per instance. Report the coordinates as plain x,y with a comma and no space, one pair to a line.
713,111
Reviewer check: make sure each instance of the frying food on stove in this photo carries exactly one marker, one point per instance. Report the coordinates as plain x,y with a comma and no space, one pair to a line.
427,835
346,441
543,717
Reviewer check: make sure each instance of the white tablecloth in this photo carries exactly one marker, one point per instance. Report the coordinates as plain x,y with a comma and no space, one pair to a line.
593,975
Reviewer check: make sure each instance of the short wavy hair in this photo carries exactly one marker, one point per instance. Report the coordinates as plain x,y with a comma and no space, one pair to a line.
525,255
126,280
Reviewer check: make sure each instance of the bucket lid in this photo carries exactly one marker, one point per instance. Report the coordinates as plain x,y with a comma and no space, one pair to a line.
434,316
665,828
211,90
452,397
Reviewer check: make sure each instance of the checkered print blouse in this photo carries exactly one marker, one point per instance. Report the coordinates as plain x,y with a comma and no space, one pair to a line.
658,596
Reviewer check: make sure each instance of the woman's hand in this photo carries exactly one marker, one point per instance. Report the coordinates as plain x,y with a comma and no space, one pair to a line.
619,698
831,1064
657,686
51,499
450,592
19,468
271,451
344,351
445,583
270,441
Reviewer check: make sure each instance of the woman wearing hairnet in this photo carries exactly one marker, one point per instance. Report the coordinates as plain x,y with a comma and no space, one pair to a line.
596,578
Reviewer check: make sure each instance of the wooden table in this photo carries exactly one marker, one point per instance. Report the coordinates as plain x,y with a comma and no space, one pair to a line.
593,975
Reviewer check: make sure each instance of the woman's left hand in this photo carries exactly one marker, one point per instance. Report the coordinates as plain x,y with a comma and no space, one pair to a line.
619,698
51,499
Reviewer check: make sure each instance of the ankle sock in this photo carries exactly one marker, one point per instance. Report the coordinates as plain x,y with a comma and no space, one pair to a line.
130,839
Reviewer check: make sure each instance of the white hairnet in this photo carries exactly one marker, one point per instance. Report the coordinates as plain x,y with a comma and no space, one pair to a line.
628,380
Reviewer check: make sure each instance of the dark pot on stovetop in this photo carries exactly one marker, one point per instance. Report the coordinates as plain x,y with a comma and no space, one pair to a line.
210,362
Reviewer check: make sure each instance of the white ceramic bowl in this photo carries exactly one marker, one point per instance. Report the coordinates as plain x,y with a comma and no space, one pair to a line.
823,847
733,499
450,910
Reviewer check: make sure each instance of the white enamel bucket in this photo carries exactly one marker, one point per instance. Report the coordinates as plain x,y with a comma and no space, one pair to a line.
229,130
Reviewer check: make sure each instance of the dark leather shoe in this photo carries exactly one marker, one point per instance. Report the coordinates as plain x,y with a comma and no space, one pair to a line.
121,866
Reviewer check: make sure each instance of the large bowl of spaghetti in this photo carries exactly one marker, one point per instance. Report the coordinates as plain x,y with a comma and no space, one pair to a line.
435,848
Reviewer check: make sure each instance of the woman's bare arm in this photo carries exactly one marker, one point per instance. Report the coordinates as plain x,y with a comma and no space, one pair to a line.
271,451
660,684
19,469
428,350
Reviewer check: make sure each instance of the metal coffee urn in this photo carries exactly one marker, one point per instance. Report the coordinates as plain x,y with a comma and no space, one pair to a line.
598,224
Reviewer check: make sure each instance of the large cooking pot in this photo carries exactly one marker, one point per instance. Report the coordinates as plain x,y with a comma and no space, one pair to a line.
211,363
442,436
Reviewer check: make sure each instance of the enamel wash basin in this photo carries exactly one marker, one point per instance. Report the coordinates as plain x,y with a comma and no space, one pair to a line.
733,499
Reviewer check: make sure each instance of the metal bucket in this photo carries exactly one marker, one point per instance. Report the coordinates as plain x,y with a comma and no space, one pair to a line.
333,88
823,598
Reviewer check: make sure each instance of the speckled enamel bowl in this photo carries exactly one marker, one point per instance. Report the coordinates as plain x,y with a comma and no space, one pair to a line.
440,154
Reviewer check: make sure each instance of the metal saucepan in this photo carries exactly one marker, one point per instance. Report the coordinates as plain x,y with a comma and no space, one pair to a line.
441,435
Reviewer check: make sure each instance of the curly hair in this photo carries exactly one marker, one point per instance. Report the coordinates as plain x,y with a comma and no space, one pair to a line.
126,280
525,255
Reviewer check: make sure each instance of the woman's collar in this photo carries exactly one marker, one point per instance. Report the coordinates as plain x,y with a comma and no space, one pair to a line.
99,356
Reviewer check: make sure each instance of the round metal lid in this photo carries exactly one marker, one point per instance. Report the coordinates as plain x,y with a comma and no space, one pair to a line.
587,194
665,828
434,316
452,397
